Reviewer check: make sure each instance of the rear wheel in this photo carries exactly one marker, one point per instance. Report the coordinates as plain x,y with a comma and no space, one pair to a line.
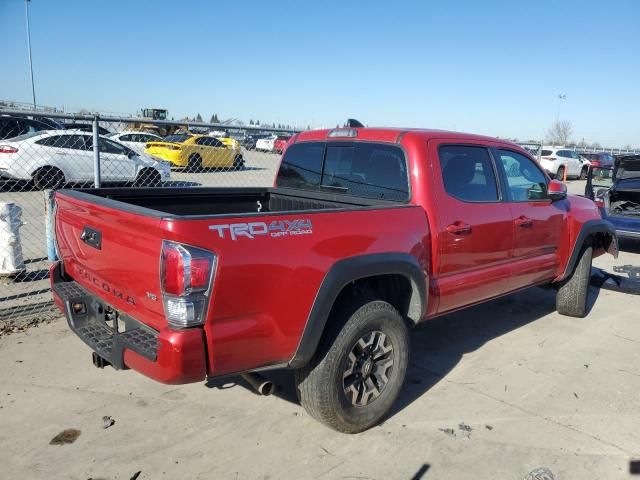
358,370
48,178
583,173
148,177
572,296
560,174
238,162
195,162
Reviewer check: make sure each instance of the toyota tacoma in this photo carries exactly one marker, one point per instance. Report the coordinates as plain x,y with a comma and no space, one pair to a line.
366,233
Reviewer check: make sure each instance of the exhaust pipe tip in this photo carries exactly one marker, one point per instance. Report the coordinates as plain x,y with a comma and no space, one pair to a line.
260,384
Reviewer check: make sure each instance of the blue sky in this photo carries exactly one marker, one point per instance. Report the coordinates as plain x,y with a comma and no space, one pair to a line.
491,67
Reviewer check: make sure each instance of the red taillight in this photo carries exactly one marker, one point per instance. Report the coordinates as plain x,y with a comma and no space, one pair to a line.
8,149
599,202
187,274
595,163
173,270
185,269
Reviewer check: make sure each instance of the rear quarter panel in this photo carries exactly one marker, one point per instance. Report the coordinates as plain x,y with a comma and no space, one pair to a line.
265,287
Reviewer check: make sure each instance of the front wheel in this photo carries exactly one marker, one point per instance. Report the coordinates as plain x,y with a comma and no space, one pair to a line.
573,294
358,370
195,163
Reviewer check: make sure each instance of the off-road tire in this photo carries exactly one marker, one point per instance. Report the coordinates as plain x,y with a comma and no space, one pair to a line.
48,178
573,294
320,383
195,163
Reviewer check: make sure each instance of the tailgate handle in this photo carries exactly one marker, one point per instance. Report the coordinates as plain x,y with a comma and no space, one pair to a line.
92,237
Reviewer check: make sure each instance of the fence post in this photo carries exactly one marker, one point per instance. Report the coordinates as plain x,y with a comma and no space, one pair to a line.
48,218
96,153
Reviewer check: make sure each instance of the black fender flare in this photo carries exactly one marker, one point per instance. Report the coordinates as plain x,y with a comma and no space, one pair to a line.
589,228
346,271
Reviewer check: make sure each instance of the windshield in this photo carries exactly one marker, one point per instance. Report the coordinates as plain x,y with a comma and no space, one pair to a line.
177,138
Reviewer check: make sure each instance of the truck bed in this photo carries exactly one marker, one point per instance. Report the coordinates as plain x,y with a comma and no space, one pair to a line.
194,202
110,242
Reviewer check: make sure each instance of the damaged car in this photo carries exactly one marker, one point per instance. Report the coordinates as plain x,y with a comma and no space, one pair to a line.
616,191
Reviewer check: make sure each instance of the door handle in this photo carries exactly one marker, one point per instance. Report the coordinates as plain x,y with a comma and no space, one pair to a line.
60,153
524,222
459,228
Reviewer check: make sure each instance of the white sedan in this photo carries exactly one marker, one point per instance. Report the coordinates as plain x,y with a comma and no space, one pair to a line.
266,144
54,157
135,140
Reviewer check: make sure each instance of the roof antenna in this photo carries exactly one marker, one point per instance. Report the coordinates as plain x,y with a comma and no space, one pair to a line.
353,123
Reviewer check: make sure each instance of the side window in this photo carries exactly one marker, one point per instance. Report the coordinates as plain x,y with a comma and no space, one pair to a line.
525,181
50,141
546,153
367,170
301,166
74,142
468,173
128,138
107,146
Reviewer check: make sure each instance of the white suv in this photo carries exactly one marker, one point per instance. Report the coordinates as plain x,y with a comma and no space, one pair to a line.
555,159
52,158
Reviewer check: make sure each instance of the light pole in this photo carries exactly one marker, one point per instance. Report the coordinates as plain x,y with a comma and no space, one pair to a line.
560,98
33,88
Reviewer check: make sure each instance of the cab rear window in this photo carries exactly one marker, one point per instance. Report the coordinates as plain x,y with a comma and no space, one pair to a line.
369,170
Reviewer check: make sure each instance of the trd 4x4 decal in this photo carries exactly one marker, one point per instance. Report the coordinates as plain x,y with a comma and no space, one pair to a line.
277,228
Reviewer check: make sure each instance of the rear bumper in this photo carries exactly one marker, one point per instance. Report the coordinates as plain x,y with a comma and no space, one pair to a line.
167,356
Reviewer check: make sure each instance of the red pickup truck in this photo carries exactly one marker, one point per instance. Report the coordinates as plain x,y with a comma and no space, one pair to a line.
366,233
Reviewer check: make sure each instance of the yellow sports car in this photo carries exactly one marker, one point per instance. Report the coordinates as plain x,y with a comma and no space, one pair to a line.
196,152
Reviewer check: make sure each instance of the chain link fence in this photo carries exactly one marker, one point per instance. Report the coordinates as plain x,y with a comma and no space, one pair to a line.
44,152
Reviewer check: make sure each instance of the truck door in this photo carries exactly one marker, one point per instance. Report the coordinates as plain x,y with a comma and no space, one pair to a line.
537,222
474,225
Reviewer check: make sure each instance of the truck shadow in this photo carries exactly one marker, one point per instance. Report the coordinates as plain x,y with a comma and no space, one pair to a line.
438,345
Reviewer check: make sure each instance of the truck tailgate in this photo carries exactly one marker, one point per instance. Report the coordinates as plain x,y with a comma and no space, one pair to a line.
113,253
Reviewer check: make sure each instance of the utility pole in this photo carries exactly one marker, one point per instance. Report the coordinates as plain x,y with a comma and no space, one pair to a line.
33,88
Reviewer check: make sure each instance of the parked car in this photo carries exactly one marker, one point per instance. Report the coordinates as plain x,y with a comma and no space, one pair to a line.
53,158
616,191
555,159
86,127
266,144
598,159
280,143
196,152
325,273
135,140
14,126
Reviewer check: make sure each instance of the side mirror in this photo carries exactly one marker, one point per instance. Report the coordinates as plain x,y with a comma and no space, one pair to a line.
556,190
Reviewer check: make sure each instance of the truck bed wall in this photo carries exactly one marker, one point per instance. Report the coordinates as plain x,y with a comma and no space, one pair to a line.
222,201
